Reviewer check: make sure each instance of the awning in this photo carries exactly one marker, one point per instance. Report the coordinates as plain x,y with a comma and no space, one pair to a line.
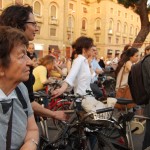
54,48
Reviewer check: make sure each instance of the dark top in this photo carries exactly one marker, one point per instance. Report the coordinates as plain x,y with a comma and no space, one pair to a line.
101,63
146,80
29,83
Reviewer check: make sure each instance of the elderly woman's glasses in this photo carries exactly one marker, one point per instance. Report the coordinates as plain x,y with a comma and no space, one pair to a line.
33,23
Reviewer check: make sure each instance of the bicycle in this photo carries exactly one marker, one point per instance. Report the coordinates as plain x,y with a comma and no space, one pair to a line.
77,131
121,129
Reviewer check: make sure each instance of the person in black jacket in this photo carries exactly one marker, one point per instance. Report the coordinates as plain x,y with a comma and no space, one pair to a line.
146,80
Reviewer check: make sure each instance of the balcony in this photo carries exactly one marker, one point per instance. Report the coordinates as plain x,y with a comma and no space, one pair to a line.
53,21
97,31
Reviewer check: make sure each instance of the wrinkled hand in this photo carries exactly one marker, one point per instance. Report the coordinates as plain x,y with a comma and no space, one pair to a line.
60,115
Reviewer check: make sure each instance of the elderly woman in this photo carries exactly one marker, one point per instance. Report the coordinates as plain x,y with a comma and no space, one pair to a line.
18,129
21,17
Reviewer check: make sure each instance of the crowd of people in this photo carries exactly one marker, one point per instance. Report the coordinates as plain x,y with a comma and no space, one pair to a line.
21,69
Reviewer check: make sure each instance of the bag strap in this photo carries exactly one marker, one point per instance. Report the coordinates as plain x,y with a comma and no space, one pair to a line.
121,76
22,100
9,131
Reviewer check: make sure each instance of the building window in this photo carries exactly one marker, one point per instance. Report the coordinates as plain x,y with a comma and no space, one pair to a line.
37,8
70,6
53,12
18,1
124,41
117,40
98,24
131,30
118,26
125,28
109,40
52,32
119,13
125,15
111,24
136,31
97,39
131,17
111,10
98,10
84,9
83,24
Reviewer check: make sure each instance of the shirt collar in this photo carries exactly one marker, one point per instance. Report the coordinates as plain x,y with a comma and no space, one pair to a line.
12,95
83,57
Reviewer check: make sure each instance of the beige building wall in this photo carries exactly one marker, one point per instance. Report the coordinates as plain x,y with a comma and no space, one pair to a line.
110,25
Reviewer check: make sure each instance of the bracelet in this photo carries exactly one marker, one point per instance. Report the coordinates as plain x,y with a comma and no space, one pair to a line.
35,142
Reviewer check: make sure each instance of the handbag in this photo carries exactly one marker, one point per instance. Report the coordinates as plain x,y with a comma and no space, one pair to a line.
123,92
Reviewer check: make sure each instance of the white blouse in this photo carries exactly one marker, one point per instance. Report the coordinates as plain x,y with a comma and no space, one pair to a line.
79,76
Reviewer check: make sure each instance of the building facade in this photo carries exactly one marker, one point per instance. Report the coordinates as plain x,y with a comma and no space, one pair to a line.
60,22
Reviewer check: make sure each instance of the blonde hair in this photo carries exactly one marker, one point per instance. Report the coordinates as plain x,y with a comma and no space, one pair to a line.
46,60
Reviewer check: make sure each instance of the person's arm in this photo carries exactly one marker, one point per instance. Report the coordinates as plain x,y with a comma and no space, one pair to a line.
128,66
32,136
58,69
68,65
61,90
41,111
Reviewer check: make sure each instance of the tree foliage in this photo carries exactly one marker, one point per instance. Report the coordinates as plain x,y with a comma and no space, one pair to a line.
142,9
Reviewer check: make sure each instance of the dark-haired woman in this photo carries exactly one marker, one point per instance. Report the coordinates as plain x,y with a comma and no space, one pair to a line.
124,66
80,76
122,72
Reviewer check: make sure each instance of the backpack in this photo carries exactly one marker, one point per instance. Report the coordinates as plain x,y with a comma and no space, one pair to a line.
136,84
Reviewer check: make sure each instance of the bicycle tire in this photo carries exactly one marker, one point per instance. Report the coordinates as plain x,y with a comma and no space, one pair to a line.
114,133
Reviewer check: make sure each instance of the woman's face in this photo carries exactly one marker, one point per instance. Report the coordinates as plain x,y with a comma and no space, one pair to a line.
135,57
19,67
88,52
31,27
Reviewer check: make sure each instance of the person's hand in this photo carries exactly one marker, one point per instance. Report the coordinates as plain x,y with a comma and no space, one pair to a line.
56,93
29,145
60,115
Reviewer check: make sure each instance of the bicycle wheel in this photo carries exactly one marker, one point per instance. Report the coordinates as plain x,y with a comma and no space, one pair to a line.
114,132
99,142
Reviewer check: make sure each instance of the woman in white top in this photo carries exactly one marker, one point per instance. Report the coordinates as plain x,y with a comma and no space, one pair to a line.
80,76
124,66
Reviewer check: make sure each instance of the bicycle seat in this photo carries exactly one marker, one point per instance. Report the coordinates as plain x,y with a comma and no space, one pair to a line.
124,101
